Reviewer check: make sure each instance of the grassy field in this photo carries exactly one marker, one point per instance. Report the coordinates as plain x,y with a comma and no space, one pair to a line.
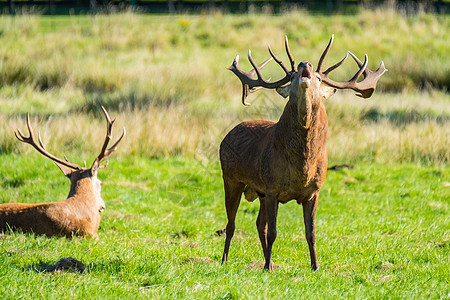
382,232
382,227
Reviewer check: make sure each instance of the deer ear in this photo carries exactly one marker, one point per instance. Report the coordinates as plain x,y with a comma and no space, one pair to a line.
284,91
94,168
67,171
326,91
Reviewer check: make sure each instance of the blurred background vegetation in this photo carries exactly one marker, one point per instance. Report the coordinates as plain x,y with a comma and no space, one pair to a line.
233,6
163,77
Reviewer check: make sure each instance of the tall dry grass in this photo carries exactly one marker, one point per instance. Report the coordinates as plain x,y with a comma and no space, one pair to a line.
359,130
164,79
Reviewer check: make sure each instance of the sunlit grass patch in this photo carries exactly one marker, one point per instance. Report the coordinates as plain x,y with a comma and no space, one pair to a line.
382,231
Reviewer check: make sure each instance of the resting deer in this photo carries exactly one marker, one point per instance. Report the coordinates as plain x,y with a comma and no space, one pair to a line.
284,160
79,214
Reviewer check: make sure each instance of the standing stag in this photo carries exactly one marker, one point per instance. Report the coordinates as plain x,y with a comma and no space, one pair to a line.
79,214
284,160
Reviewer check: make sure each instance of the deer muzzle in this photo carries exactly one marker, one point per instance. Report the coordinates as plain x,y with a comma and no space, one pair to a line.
304,71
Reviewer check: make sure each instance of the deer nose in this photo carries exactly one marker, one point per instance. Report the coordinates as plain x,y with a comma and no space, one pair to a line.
304,65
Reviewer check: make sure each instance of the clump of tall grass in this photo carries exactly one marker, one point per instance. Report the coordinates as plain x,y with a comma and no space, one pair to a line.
389,128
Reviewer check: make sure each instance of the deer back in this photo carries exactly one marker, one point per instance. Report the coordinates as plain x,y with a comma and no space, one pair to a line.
79,214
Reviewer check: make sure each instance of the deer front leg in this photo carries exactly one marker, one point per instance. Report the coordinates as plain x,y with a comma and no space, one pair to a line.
271,204
309,214
261,225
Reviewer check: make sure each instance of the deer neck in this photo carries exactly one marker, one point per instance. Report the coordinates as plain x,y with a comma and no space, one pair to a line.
299,126
88,191
299,115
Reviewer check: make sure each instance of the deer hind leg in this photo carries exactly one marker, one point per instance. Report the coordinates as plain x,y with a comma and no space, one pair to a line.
271,210
309,214
261,225
233,192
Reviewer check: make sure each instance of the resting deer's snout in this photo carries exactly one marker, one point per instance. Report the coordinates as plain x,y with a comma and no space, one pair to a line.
304,74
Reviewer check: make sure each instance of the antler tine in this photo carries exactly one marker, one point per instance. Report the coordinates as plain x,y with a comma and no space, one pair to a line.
277,60
265,83
289,54
256,68
106,153
368,84
322,57
109,124
251,84
42,144
105,165
110,151
366,87
361,70
39,146
19,135
381,69
336,65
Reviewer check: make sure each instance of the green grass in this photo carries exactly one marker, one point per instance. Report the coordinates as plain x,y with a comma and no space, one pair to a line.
382,228
382,231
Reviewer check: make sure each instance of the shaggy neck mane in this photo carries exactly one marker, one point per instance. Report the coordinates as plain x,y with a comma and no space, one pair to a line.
291,133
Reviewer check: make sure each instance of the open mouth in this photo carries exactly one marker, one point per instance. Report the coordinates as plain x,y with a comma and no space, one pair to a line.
305,78
306,73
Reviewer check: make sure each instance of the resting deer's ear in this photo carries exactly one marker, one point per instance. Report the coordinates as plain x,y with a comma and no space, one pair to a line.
326,91
94,168
67,171
284,91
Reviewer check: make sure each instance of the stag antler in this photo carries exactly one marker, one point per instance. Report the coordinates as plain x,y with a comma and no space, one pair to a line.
366,87
39,146
250,84
106,153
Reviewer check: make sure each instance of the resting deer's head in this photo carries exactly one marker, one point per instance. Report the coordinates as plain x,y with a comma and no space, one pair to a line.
78,175
306,84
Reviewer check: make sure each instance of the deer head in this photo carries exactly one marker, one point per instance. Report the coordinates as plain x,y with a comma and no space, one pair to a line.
74,172
306,85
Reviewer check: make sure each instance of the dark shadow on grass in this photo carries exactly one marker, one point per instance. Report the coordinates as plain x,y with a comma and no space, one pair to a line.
67,264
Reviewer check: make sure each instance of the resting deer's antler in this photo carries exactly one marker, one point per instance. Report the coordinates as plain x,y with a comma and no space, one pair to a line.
106,153
40,147
366,87
250,84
